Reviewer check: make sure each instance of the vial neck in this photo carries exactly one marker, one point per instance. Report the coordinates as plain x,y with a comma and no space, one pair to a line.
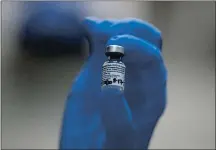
115,58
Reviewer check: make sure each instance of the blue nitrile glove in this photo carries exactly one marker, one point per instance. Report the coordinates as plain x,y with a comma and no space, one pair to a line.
110,119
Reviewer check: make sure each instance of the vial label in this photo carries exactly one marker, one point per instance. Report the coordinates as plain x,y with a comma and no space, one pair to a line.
113,73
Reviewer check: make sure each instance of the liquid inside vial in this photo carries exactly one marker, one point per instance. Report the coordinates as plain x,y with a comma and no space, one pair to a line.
113,70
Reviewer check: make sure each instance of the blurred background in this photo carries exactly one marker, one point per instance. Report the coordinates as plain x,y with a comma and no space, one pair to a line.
43,49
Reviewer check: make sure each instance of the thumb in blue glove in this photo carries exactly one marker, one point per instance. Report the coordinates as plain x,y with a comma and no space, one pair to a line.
111,119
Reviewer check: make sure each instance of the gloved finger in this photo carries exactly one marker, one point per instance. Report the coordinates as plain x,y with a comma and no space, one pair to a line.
137,50
98,33
117,119
139,28
90,24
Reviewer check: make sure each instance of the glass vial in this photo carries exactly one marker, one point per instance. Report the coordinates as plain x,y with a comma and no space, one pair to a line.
113,70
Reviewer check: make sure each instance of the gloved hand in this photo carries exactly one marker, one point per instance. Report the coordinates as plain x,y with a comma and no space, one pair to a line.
111,119
52,28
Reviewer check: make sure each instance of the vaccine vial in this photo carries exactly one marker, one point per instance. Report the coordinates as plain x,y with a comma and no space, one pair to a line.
113,70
